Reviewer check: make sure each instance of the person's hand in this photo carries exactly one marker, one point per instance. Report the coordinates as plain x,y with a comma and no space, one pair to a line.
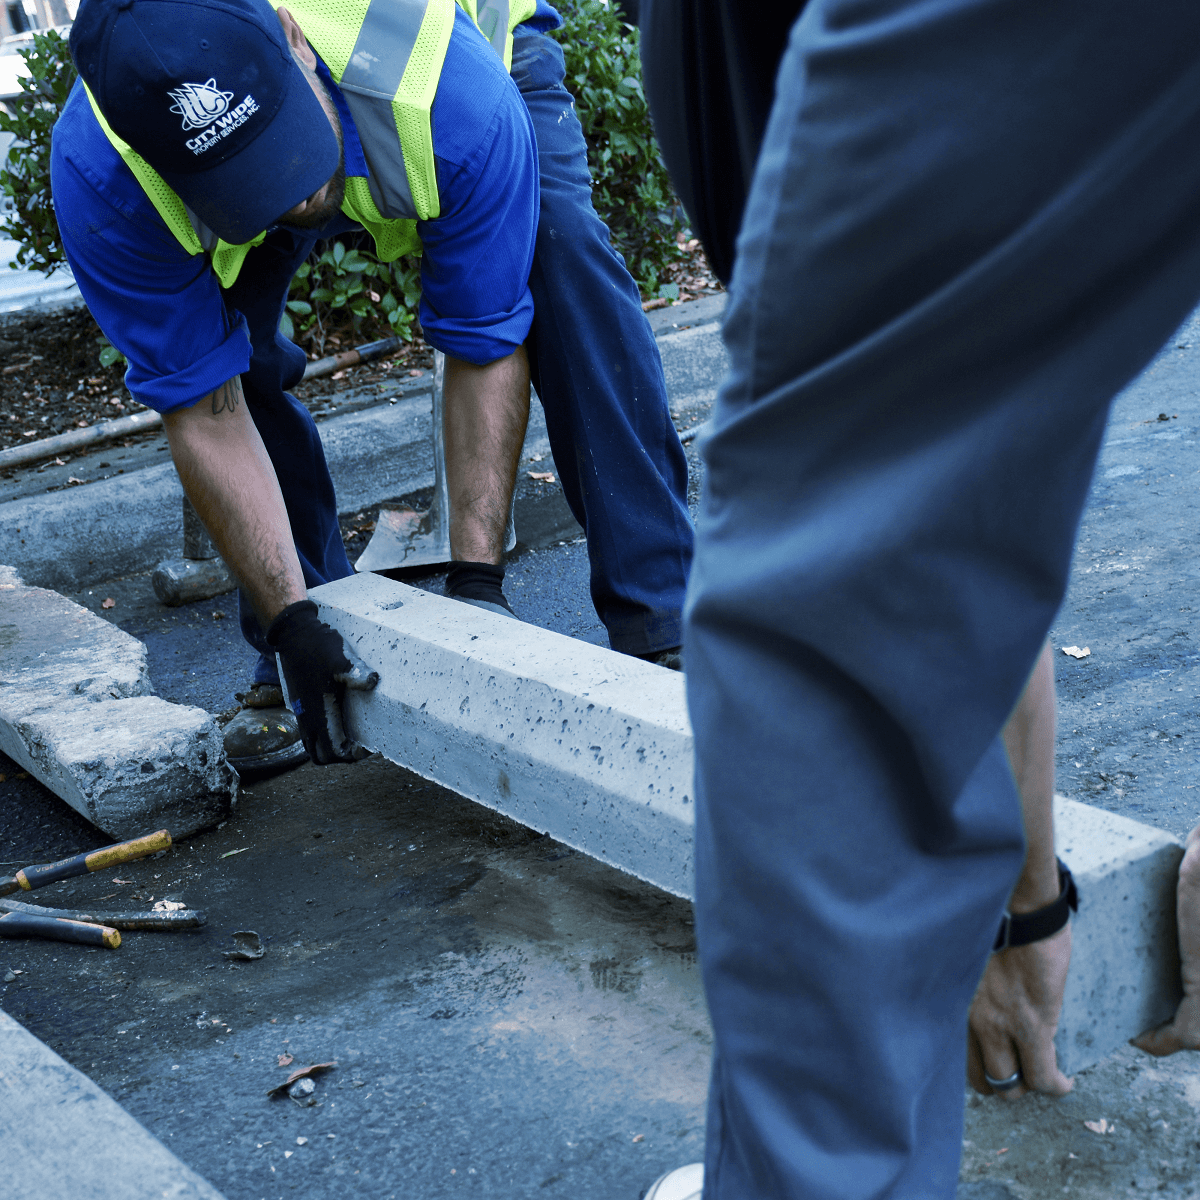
316,667
1182,1032
1014,1016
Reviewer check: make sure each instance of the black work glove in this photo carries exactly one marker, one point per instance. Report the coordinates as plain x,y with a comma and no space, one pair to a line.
316,667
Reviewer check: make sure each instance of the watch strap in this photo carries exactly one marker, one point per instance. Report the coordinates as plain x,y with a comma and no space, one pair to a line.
1021,929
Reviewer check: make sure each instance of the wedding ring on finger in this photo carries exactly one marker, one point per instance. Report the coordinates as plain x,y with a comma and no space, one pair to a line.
1004,1085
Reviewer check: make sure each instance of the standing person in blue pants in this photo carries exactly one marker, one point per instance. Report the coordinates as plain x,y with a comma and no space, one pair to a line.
207,147
971,223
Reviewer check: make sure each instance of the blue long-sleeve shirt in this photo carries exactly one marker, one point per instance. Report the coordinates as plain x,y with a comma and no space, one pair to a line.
164,310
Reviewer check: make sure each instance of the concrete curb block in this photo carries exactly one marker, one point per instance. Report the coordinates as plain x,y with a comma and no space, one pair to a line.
77,712
1124,976
574,740
73,539
64,1137
70,540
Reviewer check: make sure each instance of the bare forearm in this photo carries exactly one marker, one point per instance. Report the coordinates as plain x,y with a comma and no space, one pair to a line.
486,411
227,475
1015,1012
1029,739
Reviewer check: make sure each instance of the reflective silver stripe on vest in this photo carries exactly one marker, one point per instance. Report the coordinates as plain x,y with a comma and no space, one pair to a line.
381,52
208,239
492,18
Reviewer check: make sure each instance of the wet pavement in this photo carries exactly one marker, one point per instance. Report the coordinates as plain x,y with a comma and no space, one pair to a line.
509,1018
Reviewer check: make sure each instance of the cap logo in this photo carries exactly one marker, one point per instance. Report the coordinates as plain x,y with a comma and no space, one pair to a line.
205,107
199,103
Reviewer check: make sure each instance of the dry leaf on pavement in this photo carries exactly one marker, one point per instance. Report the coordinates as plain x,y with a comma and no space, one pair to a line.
281,1088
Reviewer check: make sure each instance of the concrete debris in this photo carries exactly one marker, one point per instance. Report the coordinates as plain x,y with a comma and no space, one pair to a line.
77,711
249,946
301,1076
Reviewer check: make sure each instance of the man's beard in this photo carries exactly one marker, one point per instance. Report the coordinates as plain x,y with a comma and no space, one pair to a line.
320,215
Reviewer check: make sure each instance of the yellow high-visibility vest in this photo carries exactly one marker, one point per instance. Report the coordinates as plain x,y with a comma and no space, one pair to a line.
389,89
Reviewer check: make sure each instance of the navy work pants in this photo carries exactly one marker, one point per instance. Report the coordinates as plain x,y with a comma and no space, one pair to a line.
595,366
972,222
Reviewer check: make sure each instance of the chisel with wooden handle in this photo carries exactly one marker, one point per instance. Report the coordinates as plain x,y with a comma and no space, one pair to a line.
81,864
22,925
185,918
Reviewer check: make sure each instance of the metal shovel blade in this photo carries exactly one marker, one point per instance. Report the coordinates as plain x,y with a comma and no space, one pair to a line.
406,537
409,537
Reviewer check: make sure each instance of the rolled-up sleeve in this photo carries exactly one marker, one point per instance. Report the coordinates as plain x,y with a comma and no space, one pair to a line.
475,302
161,307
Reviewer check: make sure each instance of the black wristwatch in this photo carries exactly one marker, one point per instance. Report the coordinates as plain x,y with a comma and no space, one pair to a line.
1020,929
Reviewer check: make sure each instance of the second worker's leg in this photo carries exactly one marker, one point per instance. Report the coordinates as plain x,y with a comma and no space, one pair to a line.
947,268
597,370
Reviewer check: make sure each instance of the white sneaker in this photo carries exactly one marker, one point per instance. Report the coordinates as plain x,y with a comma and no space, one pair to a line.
684,1183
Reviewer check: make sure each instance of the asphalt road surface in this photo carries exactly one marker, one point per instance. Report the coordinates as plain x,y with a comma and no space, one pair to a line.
511,1019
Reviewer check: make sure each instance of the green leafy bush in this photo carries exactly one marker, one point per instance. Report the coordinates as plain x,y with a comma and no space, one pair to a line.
630,187
25,176
348,282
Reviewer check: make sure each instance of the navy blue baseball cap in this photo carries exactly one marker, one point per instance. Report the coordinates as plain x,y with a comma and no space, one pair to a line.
208,93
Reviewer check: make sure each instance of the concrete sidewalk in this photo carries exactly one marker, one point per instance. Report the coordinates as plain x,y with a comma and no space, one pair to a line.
64,1138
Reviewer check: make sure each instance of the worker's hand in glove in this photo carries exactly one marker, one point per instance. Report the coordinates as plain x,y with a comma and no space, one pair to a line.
316,667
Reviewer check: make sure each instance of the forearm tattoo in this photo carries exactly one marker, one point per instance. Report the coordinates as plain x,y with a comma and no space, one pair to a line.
227,396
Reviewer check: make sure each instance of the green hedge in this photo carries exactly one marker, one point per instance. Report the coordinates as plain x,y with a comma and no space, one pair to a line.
343,282
25,175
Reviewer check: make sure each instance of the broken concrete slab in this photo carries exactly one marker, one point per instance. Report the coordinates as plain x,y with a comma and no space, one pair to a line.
52,647
78,712
1124,975
128,765
574,740
63,1136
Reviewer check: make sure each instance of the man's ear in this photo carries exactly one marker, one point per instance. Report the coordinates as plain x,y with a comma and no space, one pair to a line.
296,38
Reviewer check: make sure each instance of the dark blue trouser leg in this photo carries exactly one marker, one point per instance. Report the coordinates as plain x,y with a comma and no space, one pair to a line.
596,367
287,430
973,221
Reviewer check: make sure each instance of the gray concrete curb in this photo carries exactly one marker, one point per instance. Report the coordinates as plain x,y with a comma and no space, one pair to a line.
69,540
577,741
64,1138
1124,976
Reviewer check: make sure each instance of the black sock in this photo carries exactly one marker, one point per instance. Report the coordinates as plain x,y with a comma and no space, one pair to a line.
476,581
